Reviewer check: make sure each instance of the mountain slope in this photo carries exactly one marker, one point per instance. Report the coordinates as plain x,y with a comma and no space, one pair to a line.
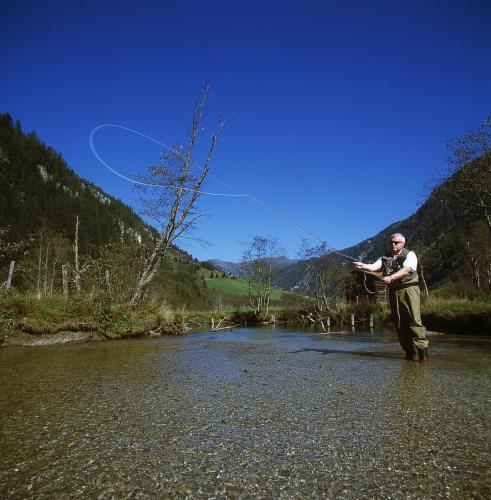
40,200
39,191
227,267
445,234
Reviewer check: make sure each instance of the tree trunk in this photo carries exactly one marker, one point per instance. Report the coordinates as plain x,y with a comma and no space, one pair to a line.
45,284
108,280
77,264
148,274
425,287
40,257
64,274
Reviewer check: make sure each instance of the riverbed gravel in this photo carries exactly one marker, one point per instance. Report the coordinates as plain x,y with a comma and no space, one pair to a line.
247,414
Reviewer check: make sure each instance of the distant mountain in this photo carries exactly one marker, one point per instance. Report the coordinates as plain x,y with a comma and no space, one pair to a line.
227,267
283,261
236,269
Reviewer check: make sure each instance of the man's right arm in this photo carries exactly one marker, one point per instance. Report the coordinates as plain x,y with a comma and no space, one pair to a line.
376,266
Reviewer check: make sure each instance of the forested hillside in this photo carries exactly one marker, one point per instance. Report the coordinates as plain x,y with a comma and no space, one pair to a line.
41,198
40,191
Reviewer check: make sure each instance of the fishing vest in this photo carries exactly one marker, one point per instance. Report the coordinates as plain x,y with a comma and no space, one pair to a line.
393,263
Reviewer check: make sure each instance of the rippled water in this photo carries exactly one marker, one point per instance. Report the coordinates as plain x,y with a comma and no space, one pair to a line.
251,413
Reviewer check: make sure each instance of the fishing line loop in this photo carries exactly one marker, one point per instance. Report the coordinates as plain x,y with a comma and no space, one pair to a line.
236,194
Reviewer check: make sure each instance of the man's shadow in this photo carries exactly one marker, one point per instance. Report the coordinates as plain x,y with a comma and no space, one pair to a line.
386,355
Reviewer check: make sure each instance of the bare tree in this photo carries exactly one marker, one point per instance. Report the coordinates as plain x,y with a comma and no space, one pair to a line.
171,192
119,267
469,171
80,269
39,267
259,265
76,259
324,277
478,250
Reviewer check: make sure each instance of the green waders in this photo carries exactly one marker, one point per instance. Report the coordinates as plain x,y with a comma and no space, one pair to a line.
406,314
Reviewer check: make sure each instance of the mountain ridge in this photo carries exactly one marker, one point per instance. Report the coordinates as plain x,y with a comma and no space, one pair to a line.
236,269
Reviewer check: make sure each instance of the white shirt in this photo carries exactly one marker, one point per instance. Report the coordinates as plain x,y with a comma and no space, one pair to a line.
410,261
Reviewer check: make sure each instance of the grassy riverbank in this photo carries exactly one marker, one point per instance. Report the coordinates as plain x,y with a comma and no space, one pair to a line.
458,315
29,315
447,315
50,315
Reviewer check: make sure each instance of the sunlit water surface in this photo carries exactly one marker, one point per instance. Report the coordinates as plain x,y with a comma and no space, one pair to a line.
249,413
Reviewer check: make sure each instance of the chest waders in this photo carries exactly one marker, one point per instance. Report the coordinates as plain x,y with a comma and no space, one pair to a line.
405,306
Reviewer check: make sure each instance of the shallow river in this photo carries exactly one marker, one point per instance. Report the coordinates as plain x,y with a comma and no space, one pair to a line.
254,413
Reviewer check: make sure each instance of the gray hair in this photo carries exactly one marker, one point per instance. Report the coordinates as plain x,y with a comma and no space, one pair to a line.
400,236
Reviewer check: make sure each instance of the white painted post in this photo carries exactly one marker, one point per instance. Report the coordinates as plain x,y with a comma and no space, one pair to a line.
371,320
352,320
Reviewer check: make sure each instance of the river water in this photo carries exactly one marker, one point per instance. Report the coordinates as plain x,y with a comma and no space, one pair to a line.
253,413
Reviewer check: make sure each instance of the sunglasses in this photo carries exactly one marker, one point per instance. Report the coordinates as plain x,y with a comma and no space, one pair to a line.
396,242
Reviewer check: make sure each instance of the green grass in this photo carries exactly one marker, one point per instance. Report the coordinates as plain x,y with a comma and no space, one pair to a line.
456,306
237,287
458,315
24,312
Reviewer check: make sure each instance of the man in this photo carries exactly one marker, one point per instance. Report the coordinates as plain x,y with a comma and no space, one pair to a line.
399,272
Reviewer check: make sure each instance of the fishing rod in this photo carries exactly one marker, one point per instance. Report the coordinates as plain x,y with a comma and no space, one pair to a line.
236,193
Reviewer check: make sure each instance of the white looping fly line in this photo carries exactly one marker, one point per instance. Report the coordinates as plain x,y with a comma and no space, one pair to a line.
207,193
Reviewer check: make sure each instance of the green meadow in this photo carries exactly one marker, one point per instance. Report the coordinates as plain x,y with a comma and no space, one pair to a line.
237,287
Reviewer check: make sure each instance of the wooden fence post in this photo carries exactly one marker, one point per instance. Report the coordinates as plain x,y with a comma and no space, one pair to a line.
11,274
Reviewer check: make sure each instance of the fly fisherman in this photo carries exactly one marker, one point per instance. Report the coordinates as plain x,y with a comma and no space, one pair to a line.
399,271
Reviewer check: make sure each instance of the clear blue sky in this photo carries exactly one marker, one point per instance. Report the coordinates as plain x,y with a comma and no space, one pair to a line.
339,111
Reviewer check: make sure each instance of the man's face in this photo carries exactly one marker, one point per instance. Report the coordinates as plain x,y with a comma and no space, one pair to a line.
396,245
